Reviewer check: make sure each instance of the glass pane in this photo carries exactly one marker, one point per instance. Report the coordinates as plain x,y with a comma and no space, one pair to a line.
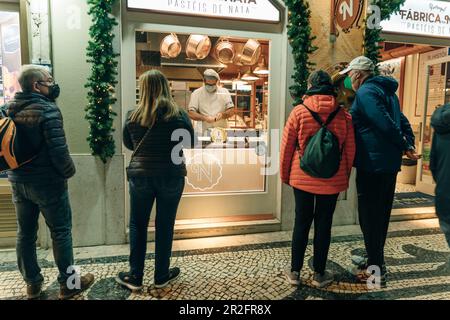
437,96
10,57
232,154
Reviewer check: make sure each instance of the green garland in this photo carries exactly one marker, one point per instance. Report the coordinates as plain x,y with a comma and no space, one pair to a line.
300,38
102,81
372,36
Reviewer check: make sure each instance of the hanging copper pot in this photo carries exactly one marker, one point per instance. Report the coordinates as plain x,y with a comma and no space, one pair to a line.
198,47
225,51
251,52
170,46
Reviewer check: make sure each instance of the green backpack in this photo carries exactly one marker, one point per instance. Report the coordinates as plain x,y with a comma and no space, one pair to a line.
322,156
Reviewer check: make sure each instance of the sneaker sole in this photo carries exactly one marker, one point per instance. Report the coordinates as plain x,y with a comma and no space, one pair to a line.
128,285
322,285
165,284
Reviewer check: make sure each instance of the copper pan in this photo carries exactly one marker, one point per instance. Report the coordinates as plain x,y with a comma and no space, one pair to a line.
170,46
225,51
251,52
198,46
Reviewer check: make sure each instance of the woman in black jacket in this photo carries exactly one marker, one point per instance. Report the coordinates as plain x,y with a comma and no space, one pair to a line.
156,131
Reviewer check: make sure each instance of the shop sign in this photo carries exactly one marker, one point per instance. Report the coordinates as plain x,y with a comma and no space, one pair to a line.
424,18
253,10
345,15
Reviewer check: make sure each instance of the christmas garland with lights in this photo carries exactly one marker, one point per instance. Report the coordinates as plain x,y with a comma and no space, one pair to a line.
372,36
102,80
300,38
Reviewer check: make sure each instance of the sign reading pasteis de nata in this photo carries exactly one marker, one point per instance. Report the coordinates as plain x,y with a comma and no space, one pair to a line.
421,17
255,10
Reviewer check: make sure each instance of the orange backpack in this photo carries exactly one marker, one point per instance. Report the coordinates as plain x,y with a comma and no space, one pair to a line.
14,153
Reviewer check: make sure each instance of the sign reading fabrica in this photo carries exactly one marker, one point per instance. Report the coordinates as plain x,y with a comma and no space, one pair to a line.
255,10
421,17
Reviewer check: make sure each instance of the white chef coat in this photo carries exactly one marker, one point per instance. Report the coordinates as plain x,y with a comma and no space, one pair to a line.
210,104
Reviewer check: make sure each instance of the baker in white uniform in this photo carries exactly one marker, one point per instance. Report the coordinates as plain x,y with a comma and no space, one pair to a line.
211,104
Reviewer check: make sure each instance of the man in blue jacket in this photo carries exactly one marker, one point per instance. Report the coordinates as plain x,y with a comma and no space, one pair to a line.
440,166
383,135
41,185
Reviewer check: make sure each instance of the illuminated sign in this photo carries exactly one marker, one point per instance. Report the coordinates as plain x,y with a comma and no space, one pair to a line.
254,10
424,18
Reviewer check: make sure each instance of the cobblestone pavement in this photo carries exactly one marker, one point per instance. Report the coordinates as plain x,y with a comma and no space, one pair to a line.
417,264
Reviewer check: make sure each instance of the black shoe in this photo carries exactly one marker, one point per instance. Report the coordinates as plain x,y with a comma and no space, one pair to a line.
129,280
34,291
174,273
67,293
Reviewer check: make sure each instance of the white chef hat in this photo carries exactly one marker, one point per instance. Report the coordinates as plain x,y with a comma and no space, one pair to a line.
210,73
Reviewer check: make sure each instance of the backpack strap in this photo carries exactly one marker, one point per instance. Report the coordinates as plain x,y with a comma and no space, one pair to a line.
315,115
23,106
332,116
138,146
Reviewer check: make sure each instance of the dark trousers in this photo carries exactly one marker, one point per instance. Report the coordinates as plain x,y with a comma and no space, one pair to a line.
144,191
309,207
53,201
375,199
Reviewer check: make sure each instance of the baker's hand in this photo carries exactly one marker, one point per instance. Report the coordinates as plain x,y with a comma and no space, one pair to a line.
411,154
219,116
209,119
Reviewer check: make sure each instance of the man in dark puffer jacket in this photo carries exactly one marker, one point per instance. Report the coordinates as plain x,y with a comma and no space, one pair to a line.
41,185
383,134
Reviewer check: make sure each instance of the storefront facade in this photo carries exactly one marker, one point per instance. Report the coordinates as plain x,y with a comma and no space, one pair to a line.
416,53
237,202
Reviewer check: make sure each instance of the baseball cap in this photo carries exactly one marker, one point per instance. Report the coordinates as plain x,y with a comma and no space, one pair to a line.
360,63
210,73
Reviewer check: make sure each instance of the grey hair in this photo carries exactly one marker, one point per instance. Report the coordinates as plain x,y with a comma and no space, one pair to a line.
31,73
367,73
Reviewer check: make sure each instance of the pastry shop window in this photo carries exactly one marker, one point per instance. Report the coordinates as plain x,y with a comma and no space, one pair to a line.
230,117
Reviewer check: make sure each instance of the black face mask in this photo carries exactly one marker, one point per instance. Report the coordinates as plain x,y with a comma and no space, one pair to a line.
53,91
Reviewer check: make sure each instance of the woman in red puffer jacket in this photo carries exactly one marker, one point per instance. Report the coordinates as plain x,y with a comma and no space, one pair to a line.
315,198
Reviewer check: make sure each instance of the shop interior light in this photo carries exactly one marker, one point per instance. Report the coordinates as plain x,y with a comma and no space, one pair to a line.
262,69
250,76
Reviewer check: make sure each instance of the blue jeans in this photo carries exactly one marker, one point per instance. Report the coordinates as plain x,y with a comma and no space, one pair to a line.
53,201
144,191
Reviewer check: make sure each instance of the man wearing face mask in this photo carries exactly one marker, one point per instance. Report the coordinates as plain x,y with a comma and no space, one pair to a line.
383,135
211,104
41,185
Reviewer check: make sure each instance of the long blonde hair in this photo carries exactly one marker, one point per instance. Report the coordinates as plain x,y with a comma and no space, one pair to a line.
155,95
